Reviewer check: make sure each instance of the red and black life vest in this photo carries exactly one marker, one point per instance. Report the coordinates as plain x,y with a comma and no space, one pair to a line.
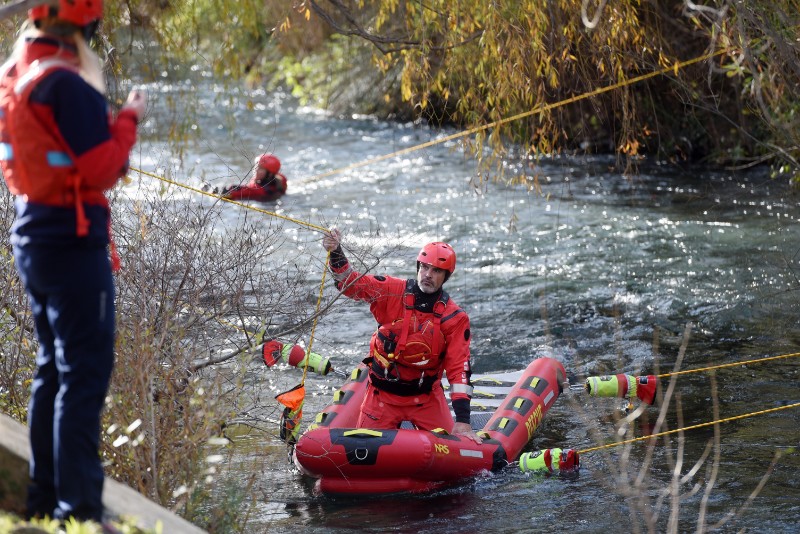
407,354
36,161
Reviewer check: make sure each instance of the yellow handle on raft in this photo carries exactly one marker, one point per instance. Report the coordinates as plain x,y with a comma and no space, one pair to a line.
365,432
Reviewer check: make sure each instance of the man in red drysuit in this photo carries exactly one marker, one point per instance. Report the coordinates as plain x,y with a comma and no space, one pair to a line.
421,335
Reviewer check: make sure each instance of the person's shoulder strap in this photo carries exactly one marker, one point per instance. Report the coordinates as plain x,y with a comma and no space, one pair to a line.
408,305
40,68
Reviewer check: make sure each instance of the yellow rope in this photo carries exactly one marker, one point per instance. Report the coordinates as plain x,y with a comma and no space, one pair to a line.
313,327
692,427
272,214
723,365
242,204
316,317
539,109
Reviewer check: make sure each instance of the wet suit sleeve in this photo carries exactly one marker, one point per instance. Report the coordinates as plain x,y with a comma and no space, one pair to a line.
368,288
461,409
458,368
343,274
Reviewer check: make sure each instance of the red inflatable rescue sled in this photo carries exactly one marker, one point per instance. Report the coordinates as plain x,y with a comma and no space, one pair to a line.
348,460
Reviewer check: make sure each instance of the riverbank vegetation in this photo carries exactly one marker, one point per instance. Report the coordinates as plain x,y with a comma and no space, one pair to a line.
192,309
12,524
529,78
478,65
471,64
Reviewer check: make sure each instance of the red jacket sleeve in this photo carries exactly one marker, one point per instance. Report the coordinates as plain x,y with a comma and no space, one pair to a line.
457,364
375,290
102,165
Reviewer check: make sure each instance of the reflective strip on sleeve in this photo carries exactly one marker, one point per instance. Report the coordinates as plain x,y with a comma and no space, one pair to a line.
461,388
342,276
39,66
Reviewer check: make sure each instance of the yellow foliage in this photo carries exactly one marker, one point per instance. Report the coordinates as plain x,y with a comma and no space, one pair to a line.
489,60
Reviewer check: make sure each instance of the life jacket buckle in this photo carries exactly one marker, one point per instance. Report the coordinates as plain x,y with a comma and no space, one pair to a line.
386,376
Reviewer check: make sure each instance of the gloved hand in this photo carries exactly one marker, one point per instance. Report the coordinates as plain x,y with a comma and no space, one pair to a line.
332,240
137,102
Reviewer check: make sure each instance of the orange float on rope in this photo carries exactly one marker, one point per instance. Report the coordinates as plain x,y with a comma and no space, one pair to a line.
293,413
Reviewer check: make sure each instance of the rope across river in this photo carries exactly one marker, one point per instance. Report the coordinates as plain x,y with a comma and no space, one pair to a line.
537,110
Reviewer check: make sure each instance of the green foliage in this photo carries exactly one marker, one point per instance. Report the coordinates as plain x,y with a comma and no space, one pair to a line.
339,77
223,37
476,63
487,64
12,524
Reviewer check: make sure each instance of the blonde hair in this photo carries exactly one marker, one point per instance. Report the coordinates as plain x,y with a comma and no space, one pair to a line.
90,67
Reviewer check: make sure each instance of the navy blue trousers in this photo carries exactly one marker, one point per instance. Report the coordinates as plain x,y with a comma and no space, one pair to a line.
71,292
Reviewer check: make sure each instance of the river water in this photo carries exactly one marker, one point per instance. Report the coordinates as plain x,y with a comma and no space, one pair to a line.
600,271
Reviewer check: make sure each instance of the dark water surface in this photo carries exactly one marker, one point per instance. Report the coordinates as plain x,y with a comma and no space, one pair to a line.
600,271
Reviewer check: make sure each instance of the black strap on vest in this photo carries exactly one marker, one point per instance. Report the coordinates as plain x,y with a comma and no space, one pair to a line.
403,388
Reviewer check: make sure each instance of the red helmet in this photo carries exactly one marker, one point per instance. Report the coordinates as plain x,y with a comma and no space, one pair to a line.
39,12
439,255
269,163
78,12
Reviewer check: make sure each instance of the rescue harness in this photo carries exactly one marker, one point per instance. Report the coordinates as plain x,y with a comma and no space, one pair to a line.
384,372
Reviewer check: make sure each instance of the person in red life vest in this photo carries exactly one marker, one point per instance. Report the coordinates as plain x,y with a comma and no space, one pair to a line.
266,185
421,335
60,150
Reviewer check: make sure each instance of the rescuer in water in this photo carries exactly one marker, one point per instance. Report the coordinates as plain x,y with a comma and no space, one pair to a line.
266,184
